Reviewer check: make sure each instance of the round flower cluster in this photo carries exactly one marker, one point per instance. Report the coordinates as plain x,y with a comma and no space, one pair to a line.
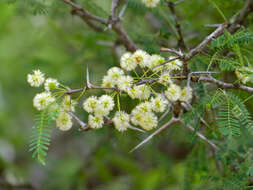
151,3
98,109
47,99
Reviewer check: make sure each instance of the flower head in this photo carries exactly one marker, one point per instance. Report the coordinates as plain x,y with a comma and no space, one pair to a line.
151,3
127,62
96,121
175,64
141,58
173,93
63,122
107,82
125,83
114,74
159,103
149,121
68,104
90,104
36,79
143,92
121,121
132,92
155,60
144,107
51,84
165,78
186,94
104,106
42,100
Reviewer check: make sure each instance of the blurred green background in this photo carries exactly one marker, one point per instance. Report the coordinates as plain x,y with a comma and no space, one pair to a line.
48,37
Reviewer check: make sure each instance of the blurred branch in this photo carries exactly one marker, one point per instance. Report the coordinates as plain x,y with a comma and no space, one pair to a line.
240,18
112,22
180,42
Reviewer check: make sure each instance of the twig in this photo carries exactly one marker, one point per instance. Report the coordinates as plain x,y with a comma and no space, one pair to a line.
224,85
164,115
198,73
239,19
123,10
180,42
172,121
82,12
206,41
201,136
173,51
136,129
87,17
90,86
84,126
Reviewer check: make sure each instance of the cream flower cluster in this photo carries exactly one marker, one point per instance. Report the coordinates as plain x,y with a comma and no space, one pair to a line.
151,3
47,99
98,109
136,77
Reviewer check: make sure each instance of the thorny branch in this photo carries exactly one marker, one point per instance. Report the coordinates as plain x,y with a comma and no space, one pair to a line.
169,123
113,22
90,86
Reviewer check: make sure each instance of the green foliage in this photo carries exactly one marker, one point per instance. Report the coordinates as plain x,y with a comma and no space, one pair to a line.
41,136
228,41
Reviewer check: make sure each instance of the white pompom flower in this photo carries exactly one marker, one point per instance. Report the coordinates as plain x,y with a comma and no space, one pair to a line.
159,103
121,120
143,92
175,64
151,3
68,104
90,104
149,121
64,122
36,79
104,106
125,83
96,121
165,78
114,74
42,100
155,60
127,62
132,92
186,94
173,93
108,82
51,84
141,58
144,107
136,116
